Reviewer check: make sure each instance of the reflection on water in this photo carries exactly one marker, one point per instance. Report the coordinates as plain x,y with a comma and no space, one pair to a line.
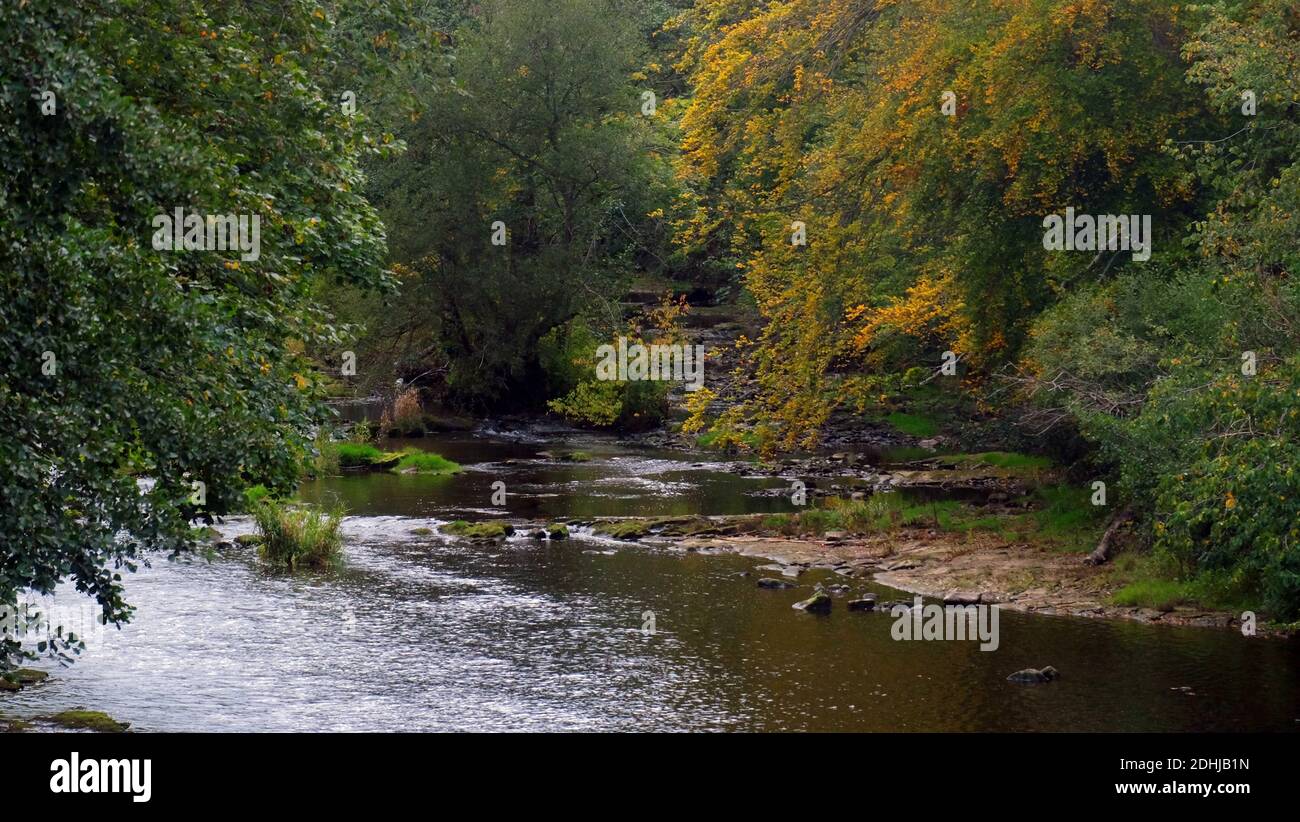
614,482
419,633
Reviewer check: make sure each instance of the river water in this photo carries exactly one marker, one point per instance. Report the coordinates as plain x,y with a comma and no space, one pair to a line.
416,632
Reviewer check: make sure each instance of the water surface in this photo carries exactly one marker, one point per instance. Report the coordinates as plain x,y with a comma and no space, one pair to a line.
417,632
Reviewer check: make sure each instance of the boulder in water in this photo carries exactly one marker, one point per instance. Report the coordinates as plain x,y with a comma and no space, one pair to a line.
818,603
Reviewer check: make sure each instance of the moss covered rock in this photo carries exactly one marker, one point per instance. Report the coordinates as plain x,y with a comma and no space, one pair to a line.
557,530
12,725
17,680
493,529
81,720
818,603
623,528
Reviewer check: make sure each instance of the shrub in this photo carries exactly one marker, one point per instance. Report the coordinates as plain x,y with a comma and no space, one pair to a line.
299,536
255,494
568,356
408,417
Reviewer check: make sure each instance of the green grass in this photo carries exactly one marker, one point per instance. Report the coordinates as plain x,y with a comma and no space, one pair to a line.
356,454
914,425
879,513
1161,594
1009,460
426,462
299,536
1153,581
362,454
1069,516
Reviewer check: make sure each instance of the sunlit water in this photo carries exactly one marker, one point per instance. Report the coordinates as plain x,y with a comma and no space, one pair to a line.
421,633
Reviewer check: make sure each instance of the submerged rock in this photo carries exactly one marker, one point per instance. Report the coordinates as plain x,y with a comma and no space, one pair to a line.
772,582
1035,675
867,602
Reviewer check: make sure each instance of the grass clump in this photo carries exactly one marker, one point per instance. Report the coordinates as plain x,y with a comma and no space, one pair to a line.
299,536
881,513
356,454
425,462
1160,594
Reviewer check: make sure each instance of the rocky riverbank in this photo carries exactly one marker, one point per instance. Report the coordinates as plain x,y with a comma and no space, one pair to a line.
961,568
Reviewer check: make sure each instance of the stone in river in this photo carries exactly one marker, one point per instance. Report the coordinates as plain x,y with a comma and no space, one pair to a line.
818,603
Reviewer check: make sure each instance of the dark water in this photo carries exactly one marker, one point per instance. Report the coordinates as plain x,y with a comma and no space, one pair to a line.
422,633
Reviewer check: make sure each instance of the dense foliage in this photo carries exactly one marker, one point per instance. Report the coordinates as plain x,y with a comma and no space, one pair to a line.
557,152
924,144
119,361
523,200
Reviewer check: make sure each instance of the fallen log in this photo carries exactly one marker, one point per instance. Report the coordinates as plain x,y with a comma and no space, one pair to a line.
1101,553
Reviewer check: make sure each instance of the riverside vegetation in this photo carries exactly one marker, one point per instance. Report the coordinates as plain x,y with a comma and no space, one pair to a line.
508,186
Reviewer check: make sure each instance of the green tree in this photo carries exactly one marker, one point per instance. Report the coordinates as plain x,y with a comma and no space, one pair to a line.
119,362
536,133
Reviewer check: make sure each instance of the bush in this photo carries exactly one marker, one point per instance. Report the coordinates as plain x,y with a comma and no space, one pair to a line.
568,356
408,416
299,536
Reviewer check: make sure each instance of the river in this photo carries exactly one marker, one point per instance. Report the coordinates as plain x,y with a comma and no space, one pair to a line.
417,632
